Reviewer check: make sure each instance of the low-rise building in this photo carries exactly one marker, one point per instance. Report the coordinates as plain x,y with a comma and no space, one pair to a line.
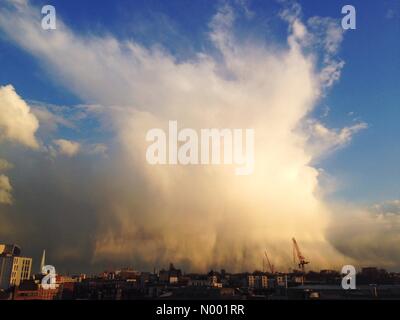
31,290
170,276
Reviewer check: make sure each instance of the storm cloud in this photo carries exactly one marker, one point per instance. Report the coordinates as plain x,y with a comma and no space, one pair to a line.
92,211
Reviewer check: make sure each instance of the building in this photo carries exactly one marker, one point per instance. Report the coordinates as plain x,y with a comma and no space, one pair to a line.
13,268
260,281
198,281
170,276
31,290
209,280
10,250
256,281
128,273
281,280
214,279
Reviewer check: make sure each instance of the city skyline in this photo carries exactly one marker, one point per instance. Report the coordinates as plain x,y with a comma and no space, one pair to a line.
19,282
77,102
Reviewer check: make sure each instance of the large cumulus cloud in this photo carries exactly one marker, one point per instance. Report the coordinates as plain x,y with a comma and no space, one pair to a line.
17,125
119,209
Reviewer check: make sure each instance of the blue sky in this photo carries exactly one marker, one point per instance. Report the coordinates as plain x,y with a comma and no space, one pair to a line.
369,88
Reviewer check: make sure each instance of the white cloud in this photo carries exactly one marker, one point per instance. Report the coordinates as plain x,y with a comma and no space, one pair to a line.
5,190
291,11
5,165
245,6
370,235
67,147
98,149
392,14
50,118
327,33
320,33
324,140
17,123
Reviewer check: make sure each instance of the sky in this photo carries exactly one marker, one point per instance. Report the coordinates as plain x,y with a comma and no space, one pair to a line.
75,104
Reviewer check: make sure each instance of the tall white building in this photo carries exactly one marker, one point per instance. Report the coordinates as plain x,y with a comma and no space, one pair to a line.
13,268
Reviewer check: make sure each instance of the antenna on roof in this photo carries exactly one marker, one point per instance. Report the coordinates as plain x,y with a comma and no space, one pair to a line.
43,262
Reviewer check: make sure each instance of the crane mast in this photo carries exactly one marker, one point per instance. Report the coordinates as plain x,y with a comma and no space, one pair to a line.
271,266
296,252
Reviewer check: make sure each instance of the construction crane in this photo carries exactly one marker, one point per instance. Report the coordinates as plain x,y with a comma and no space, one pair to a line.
271,266
300,257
